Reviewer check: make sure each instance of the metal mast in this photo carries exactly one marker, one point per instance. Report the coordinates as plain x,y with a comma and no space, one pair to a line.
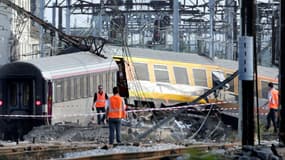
246,50
282,74
212,14
67,18
175,26
230,31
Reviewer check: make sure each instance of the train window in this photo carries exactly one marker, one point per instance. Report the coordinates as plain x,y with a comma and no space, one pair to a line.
113,82
77,86
181,75
26,94
231,83
87,77
58,91
12,89
95,83
83,86
264,89
91,85
66,89
99,80
104,77
161,73
72,88
141,71
217,78
200,77
108,82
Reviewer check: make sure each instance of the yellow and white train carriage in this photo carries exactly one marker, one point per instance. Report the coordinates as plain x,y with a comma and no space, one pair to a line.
156,77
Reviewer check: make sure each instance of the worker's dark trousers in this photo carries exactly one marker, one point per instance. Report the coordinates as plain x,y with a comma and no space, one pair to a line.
271,117
100,117
114,125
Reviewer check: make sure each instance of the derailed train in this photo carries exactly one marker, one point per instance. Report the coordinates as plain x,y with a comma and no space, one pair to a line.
60,89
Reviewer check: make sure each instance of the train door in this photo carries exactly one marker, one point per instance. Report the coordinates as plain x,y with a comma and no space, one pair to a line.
20,95
49,104
122,82
20,101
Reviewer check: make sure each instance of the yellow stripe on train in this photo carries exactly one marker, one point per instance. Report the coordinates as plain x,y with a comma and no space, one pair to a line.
164,97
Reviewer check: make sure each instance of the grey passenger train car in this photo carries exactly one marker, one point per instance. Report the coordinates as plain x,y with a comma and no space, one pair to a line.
51,90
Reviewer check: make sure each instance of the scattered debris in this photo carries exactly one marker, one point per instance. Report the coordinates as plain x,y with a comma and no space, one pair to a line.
257,152
180,130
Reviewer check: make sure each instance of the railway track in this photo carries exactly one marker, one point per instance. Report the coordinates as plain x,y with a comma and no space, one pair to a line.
153,155
42,151
57,151
156,155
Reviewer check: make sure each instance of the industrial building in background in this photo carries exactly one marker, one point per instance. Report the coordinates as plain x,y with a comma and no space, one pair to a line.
19,35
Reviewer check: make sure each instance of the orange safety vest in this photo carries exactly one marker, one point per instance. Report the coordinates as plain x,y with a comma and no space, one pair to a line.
101,100
274,101
115,109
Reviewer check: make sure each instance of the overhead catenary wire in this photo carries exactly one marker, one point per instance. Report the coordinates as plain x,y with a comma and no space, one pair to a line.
126,52
137,86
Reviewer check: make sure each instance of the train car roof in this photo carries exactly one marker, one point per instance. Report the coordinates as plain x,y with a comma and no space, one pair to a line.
271,72
161,55
72,64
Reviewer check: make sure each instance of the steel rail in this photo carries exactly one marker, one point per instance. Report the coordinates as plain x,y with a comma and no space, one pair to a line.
156,155
57,151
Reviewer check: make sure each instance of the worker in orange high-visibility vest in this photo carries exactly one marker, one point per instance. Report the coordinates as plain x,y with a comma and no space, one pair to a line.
100,101
115,113
273,104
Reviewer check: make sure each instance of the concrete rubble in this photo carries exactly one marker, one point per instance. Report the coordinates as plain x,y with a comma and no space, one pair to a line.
181,130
